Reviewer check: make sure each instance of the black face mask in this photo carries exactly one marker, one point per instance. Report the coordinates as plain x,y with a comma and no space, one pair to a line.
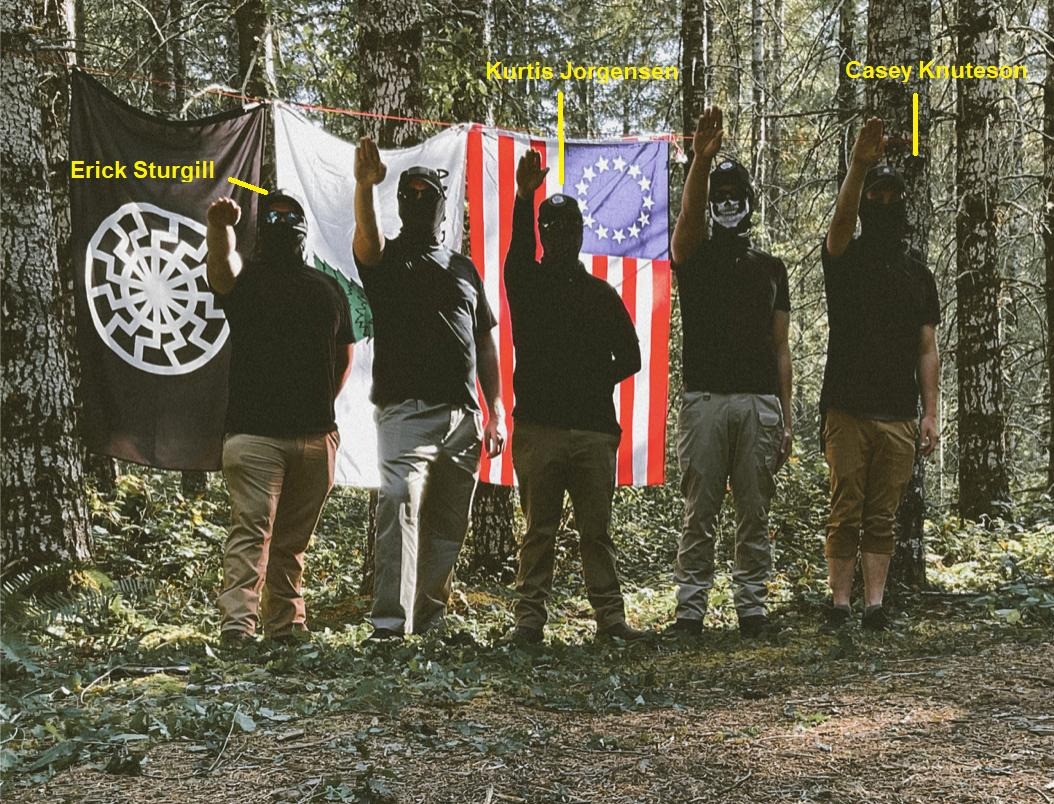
885,223
422,214
283,241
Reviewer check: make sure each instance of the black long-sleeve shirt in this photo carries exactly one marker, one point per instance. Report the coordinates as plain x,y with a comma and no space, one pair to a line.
574,339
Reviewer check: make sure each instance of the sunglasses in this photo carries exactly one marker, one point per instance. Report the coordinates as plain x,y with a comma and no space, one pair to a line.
292,217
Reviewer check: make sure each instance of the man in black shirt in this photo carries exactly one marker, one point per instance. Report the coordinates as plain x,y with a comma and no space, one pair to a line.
290,330
883,312
574,343
735,418
432,330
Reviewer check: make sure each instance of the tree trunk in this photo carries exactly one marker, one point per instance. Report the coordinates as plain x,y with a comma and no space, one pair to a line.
984,487
44,516
896,27
255,56
1048,236
758,146
774,126
847,100
391,34
695,62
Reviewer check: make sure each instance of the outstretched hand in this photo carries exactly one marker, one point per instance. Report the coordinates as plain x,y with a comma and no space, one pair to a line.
706,141
224,212
369,169
529,173
870,143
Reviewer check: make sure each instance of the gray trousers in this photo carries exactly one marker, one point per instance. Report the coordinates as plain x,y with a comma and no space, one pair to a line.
428,455
550,461
726,439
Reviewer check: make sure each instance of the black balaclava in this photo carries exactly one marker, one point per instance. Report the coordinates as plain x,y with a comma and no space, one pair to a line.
422,212
883,223
560,230
282,241
731,215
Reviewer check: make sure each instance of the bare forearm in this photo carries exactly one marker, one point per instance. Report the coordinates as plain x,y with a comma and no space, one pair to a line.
691,228
342,366
366,241
785,372
222,264
929,377
489,375
846,210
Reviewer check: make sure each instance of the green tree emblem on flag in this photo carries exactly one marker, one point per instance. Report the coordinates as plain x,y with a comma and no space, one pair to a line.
361,315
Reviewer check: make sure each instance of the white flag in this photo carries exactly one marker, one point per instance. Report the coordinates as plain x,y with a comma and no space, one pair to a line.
320,168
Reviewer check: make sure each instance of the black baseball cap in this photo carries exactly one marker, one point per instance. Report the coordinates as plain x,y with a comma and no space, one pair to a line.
881,176
559,207
433,178
729,171
284,195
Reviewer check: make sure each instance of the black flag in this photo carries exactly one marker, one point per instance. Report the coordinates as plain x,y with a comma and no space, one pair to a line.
153,344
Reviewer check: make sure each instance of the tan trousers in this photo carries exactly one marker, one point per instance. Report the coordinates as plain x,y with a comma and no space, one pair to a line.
550,461
277,487
723,438
429,455
870,462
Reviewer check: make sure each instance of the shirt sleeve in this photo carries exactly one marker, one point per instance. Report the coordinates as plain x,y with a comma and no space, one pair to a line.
782,288
370,274
685,271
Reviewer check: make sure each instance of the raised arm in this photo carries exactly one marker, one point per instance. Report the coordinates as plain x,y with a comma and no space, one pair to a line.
690,230
223,263
869,147
369,171
929,374
529,177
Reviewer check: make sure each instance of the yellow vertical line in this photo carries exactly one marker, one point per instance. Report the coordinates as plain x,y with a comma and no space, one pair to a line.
914,123
560,137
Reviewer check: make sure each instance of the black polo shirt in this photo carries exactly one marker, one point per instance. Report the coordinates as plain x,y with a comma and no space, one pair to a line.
286,324
878,299
728,294
429,308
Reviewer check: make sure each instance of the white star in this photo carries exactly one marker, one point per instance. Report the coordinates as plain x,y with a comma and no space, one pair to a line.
634,170
647,202
589,174
618,237
644,219
619,164
602,233
644,183
634,231
602,164
583,205
588,221
581,187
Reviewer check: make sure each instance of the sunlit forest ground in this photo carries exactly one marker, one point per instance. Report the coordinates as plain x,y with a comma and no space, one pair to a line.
120,691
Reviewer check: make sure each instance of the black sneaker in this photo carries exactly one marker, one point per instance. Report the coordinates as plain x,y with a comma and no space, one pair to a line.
876,619
835,619
523,635
753,626
625,632
384,635
683,627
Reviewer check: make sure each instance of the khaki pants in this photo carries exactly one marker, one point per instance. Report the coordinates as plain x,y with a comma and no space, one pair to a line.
722,438
429,455
550,461
277,487
871,463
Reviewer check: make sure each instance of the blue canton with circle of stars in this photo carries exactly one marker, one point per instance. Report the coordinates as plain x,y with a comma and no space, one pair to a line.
623,192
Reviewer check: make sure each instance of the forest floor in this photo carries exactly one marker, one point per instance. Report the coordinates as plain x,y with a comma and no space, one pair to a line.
116,690
942,709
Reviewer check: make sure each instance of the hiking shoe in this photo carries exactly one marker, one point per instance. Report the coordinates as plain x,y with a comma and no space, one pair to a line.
753,626
384,635
835,619
523,635
625,632
297,635
876,618
683,627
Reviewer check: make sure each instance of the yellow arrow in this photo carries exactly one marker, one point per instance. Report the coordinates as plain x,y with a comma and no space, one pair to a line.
560,137
246,185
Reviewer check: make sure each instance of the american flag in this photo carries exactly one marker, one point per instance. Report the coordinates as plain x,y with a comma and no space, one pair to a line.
622,188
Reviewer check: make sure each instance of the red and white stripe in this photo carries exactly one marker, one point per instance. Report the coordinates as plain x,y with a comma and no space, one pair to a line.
644,285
